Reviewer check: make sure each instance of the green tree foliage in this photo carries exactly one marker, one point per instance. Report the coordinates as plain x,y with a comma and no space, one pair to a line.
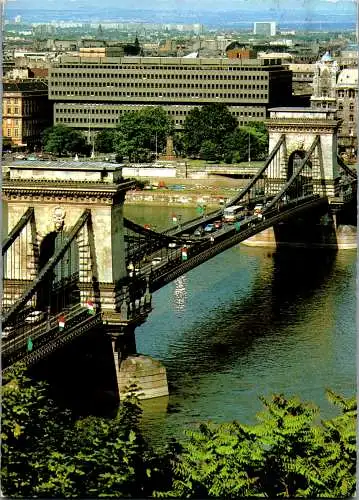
104,142
237,146
286,454
289,452
141,133
31,429
212,122
61,141
45,454
209,151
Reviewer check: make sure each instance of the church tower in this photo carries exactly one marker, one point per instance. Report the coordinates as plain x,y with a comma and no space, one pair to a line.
324,83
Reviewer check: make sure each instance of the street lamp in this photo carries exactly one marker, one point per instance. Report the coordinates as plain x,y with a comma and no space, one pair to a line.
90,136
249,148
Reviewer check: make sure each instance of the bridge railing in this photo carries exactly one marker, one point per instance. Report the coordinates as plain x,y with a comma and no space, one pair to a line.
37,343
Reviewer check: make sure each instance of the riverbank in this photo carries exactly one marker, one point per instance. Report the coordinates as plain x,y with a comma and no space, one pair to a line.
214,191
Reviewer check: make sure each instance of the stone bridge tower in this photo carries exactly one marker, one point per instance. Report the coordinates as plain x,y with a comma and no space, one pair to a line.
59,192
300,126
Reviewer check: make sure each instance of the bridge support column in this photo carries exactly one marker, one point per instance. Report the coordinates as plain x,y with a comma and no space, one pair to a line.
146,372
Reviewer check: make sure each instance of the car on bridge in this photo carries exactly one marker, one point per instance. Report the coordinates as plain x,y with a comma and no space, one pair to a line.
209,228
7,332
156,261
199,231
35,317
258,209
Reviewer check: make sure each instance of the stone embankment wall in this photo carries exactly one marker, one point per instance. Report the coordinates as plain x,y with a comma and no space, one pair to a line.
187,192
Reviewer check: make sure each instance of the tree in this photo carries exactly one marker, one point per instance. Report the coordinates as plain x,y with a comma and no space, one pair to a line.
209,151
104,142
250,140
61,140
142,134
288,453
212,122
32,428
46,454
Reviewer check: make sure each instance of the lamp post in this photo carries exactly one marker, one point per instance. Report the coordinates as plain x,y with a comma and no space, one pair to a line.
249,149
90,136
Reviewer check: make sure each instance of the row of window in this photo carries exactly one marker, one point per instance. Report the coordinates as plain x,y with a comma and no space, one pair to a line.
160,67
159,85
351,93
171,95
9,134
156,76
111,111
85,120
11,111
10,100
341,106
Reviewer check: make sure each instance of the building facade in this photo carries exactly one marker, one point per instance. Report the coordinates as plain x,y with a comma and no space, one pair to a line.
26,112
92,94
265,28
335,88
346,92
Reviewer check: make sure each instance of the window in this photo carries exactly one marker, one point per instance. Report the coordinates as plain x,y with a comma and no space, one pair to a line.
9,132
16,132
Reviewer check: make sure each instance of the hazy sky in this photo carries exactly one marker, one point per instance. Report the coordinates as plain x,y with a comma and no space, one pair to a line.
188,5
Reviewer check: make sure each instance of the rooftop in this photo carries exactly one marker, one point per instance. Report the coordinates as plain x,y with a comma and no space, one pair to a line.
348,76
32,85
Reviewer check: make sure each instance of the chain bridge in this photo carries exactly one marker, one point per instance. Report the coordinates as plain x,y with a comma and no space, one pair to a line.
72,262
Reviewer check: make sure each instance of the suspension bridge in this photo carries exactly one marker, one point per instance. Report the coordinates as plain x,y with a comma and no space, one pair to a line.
72,262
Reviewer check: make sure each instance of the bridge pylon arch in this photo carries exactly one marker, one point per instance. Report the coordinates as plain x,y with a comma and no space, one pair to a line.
300,127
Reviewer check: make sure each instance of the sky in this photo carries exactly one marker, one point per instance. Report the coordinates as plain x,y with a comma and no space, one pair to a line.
186,5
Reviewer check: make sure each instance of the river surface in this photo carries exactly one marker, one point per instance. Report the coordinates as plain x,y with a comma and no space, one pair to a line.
249,322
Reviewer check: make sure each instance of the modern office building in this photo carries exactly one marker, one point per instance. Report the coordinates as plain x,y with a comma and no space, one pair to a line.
26,112
265,28
91,94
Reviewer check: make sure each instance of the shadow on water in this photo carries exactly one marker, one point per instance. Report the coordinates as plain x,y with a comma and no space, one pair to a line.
278,295
279,333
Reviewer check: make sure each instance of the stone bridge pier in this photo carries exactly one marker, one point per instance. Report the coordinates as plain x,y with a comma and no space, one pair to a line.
59,192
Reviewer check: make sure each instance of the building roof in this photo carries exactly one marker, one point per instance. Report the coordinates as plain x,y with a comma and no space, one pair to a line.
348,76
302,67
326,58
25,86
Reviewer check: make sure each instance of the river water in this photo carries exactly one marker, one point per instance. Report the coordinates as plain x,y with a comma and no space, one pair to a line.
249,322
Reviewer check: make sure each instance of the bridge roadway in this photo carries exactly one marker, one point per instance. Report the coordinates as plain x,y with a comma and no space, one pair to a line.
46,336
171,266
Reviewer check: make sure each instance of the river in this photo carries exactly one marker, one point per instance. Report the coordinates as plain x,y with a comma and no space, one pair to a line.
249,322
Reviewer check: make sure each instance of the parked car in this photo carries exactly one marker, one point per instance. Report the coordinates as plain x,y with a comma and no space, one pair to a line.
209,228
156,261
35,317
